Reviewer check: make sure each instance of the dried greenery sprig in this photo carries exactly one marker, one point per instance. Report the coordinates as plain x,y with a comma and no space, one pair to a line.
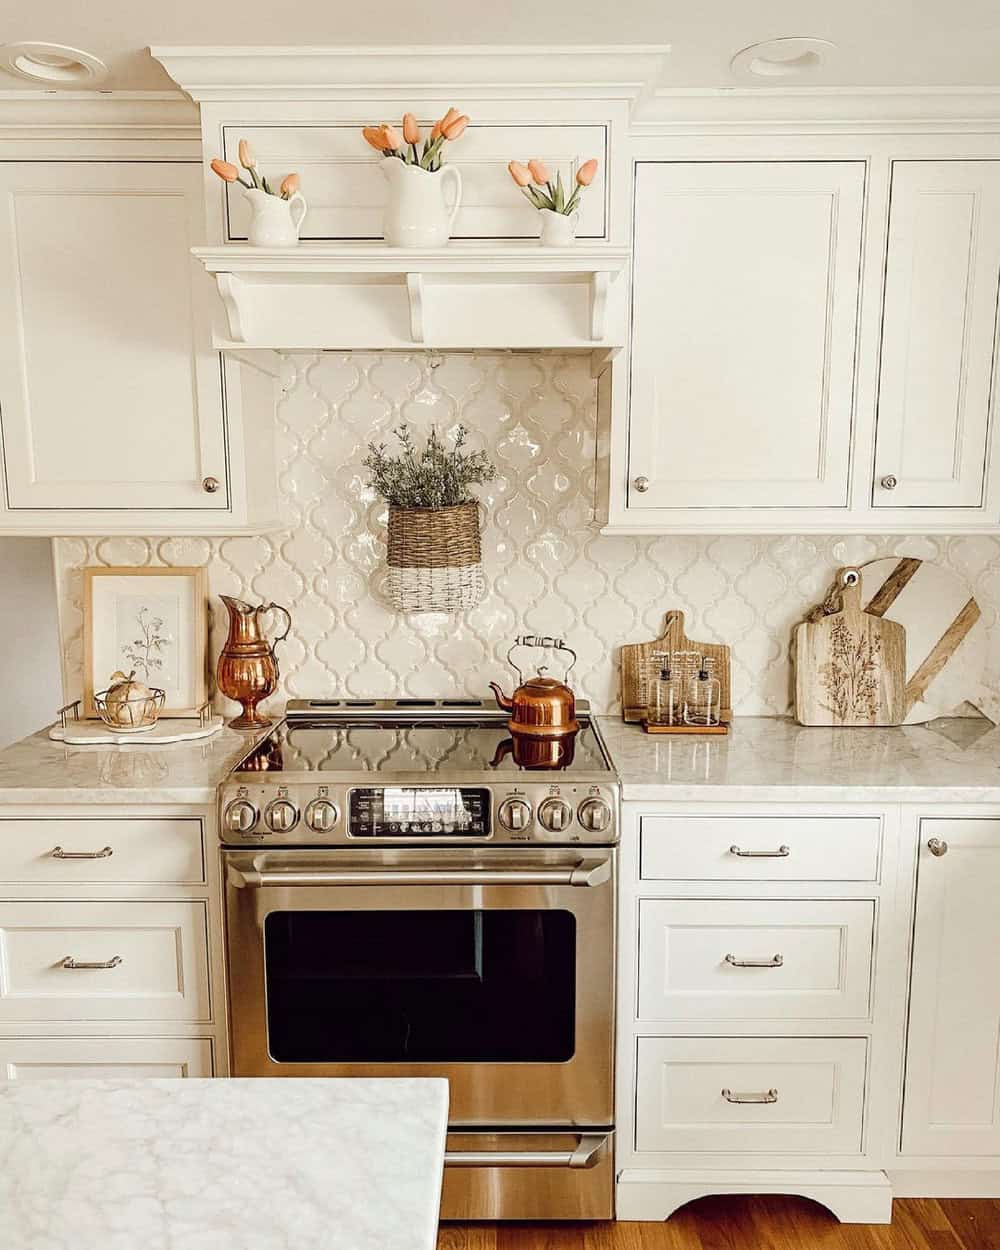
436,476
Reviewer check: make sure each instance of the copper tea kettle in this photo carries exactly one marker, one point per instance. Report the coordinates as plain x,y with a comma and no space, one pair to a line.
248,668
540,706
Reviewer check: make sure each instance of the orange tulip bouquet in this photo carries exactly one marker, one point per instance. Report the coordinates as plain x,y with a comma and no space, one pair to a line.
416,212
276,214
558,208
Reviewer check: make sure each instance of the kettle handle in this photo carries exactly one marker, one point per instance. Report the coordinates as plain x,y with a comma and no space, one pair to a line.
276,607
540,640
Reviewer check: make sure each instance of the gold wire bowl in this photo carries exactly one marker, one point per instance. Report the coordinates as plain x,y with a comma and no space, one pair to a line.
128,716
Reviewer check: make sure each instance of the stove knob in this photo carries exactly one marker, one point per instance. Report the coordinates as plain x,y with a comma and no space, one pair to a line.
514,814
281,815
240,816
321,815
594,815
554,814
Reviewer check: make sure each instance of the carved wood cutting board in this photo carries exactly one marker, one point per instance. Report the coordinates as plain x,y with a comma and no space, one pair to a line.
637,660
850,665
946,639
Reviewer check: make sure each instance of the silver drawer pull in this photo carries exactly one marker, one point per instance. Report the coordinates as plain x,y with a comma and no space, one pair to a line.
71,963
782,852
769,1095
774,962
937,846
104,853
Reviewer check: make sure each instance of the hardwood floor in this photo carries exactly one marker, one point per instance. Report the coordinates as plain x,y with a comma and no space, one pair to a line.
766,1223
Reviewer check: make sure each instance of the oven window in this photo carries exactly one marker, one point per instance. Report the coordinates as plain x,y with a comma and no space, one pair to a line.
420,986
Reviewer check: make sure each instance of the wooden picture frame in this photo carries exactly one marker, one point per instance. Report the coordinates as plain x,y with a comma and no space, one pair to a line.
164,639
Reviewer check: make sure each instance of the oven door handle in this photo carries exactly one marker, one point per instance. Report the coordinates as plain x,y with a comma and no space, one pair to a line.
588,872
586,1155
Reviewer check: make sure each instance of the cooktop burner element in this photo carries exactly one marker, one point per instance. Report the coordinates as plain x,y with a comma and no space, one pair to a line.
417,770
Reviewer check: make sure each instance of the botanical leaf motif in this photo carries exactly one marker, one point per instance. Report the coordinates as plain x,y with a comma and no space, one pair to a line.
142,653
852,676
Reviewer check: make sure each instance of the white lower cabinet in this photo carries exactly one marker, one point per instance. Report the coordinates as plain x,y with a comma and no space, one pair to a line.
748,1013
952,1093
66,1058
110,945
750,1095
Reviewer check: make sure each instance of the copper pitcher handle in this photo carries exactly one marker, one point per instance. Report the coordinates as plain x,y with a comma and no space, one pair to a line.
276,607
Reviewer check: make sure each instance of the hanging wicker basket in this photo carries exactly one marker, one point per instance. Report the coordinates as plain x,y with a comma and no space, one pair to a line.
435,558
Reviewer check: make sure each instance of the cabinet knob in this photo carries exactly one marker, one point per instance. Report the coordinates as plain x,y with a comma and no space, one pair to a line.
641,484
210,485
937,846
890,482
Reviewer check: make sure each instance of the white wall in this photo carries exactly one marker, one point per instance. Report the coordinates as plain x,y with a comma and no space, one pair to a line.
29,637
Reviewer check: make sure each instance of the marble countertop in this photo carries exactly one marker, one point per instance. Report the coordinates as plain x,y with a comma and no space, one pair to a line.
763,759
773,759
38,770
258,1164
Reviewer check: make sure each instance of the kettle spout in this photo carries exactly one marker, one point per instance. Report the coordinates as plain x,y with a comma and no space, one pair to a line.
502,700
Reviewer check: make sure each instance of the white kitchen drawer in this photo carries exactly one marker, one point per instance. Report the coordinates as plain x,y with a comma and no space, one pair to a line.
817,1086
152,851
39,1058
163,971
814,956
760,848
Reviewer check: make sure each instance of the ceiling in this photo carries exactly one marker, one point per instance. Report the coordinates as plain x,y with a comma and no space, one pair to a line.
880,42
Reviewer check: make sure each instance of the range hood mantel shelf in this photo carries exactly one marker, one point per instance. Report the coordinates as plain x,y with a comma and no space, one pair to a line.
357,296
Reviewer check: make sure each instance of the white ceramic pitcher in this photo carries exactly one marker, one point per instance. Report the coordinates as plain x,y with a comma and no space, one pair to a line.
416,213
558,229
275,222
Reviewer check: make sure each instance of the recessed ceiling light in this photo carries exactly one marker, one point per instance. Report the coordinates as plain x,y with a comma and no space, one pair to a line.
781,58
52,63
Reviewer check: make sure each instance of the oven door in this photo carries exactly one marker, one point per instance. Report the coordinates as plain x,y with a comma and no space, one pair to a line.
491,967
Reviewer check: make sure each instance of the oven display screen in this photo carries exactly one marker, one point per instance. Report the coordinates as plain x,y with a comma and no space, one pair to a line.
420,811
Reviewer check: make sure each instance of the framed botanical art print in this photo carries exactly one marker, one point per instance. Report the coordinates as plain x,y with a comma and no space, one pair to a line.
149,621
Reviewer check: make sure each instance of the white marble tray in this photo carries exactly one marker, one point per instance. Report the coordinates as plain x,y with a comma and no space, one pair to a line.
95,733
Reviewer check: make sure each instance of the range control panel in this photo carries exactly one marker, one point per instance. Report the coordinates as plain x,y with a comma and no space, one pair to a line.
255,812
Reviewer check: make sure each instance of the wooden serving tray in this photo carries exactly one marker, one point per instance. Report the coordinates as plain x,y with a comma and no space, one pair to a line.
721,728
636,656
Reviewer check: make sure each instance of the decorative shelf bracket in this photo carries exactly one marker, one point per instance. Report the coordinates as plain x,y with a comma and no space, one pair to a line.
415,293
600,283
230,288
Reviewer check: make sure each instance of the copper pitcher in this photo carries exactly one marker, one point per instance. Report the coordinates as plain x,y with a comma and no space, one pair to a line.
248,668
540,706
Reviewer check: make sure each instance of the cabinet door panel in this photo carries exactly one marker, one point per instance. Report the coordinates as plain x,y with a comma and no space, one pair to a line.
745,302
106,1058
109,398
938,334
952,1094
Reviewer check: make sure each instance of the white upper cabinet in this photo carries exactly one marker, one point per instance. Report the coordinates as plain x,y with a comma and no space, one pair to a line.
938,336
952,1097
113,408
745,306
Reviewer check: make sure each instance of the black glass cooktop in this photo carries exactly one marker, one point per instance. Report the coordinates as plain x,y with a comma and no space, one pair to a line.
423,747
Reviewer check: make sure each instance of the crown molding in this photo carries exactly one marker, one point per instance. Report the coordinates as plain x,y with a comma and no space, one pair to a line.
730,110
328,73
98,115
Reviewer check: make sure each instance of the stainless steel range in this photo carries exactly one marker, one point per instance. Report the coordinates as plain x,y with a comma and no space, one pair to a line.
404,899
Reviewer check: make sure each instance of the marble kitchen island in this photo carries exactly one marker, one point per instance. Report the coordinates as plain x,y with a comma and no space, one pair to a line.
221,1165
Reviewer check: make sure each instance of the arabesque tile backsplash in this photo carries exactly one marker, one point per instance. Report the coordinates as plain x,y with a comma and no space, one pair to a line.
548,569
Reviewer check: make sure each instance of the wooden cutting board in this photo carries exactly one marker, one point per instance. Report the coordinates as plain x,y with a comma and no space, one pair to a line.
637,661
946,641
850,665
